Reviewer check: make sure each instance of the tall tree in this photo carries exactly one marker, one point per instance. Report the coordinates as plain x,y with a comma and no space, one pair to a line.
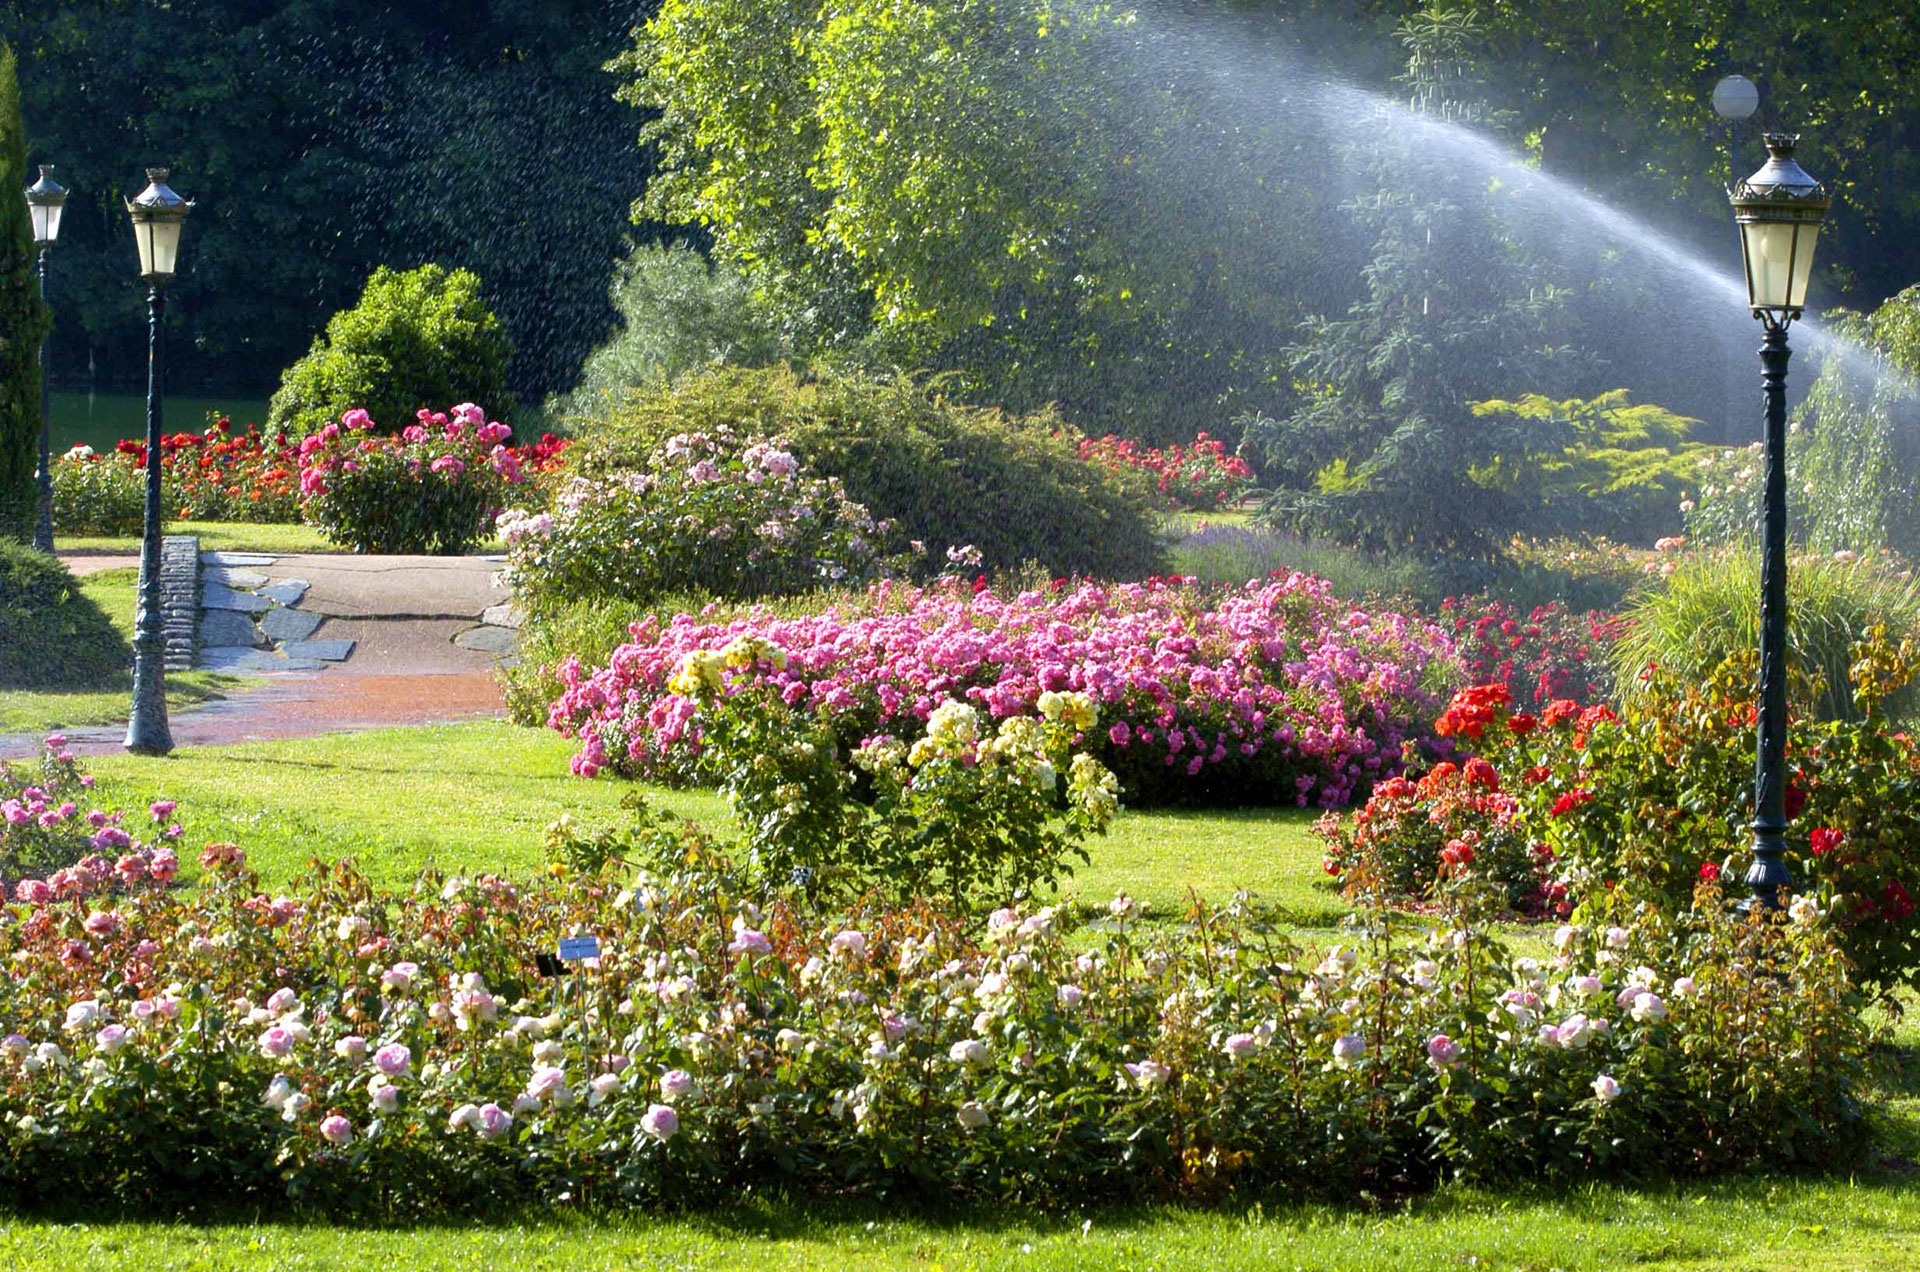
22,319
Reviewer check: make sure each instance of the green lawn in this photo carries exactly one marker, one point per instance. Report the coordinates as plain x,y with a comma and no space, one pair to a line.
1761,1225
478,796
215,536
41,711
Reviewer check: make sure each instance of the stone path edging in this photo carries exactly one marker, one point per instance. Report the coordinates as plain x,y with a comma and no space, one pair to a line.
180,599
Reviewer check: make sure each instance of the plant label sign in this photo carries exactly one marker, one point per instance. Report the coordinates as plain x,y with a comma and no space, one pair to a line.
575,948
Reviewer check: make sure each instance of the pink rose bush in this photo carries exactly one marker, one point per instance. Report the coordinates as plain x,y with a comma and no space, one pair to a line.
729,515
1271,693
435,488
205,1047
50,848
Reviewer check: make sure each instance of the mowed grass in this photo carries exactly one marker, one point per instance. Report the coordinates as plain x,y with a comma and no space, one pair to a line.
479,796
215,536
41,710
1755,1225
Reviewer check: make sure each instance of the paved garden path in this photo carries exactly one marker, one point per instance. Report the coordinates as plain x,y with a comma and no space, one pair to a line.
419,638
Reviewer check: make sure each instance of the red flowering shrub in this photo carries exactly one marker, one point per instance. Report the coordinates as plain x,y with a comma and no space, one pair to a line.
1549,653
218,475
1642,805
1202,477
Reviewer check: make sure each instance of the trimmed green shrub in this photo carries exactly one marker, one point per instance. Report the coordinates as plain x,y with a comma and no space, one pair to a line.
951,475
1709,610
416,339
678,312
51,635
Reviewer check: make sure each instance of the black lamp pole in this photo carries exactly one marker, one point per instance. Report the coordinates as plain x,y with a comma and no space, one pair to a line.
45,198
156,213
1779,210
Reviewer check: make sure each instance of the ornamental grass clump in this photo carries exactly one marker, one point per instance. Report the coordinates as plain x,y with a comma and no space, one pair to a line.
344,1051
1272,693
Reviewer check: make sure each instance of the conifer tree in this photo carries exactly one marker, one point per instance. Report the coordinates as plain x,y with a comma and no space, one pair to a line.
22,319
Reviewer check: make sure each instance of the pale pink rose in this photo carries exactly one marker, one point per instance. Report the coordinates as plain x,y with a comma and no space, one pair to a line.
276,1042
494,1121
394,1059
661,1122
336,1130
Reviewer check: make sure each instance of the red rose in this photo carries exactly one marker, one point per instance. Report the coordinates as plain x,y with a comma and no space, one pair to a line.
1710,870
1826,840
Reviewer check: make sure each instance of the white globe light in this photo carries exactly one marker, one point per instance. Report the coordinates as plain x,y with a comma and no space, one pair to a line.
1736,97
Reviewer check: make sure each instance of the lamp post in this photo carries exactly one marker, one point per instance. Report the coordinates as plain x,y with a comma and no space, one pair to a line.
45,198
157,213
1779,210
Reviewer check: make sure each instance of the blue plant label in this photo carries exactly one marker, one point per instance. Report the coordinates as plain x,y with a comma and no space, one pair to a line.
575,948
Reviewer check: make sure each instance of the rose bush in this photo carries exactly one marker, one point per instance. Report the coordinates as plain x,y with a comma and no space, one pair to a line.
1549,653
729,514
1646,803
354,1052
1200,477
1275,692
434,488
55,840
218,475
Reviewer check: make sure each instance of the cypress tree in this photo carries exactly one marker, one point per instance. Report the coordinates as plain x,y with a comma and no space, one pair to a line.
23,319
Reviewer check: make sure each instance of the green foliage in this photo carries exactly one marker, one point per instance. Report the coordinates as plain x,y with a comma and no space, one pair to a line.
1709,610
587,631
726,513
51,636
1854,453
678,312
1385,450
98,496
1005,191
417,339
1623,473
23,320
950,475
322,138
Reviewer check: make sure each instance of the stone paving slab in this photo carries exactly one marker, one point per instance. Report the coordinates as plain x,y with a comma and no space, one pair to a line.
220,627
240,658
285,591
237,558
502,616
290,624
329,650
489,640
233,576
220,596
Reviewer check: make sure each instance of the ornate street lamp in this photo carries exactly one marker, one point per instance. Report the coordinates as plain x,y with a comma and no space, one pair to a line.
45,198
157,213
1779,210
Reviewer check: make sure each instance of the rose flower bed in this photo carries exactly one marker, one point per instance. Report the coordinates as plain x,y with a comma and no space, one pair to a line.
1201,477
218,475
1272,693
1575,803
347,1051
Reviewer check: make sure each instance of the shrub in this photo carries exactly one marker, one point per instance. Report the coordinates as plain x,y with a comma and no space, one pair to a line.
965,812
413,340
1272,693
727,513
678,312
96,493
436,488
1549,653
49,848
1200,477
1642,806
354,1052
948,474
1709,609
212,476
51,635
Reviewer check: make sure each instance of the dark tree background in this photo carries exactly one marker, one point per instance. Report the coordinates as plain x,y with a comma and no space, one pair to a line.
321,138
